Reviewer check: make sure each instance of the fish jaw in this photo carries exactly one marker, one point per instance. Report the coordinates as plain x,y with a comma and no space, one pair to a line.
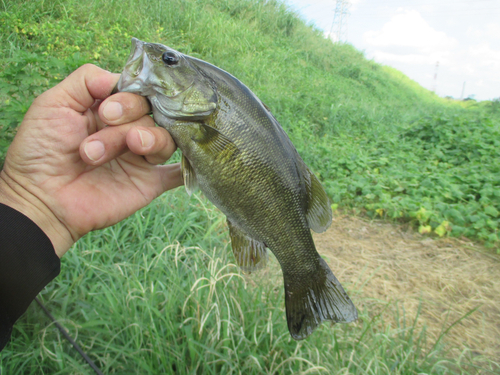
135,76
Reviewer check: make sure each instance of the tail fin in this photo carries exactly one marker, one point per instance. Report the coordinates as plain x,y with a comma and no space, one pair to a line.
310,302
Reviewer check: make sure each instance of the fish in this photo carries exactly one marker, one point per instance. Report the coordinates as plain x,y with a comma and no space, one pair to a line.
235,151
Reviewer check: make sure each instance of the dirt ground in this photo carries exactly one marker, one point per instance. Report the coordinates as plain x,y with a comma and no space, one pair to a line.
382,263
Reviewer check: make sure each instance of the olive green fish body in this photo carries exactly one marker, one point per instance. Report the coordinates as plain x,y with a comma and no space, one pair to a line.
236,152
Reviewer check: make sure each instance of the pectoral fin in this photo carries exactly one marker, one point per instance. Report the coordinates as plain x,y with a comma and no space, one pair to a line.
214,141
251,255
189,176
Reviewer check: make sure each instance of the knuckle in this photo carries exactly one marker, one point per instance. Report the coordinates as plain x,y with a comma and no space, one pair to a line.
134,105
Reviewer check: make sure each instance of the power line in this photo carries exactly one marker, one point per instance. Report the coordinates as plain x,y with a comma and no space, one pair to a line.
385,13
450,12
418,4
388,15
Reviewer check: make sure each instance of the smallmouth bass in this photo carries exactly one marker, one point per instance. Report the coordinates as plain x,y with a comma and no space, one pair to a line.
239,156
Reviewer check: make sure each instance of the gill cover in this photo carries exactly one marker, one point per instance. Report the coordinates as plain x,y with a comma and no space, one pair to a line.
174,86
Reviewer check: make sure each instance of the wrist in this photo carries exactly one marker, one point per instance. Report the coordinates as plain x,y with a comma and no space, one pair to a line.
16,196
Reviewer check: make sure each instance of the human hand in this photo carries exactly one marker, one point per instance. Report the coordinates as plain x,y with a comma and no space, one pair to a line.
70,173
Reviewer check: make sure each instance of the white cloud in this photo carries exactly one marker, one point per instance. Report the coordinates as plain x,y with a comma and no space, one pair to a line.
354,4
491,30
478,60
409,29
407,42
485,56
408,58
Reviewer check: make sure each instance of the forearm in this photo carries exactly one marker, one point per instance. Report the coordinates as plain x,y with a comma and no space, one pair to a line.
28,262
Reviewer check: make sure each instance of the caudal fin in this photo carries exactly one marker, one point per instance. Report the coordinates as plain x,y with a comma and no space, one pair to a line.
311,302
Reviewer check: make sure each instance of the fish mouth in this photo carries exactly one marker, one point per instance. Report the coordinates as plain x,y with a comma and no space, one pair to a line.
127,83
138,68
134,76
134,85
136,50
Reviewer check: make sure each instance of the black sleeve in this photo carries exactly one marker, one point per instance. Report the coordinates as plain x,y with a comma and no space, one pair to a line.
28,262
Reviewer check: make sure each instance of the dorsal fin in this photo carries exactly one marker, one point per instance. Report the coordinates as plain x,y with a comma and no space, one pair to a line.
319,207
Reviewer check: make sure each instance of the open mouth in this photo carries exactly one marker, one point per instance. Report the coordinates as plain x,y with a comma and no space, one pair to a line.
130,84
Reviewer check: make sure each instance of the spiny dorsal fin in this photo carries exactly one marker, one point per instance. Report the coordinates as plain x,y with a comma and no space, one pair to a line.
189,176
251,255
319,207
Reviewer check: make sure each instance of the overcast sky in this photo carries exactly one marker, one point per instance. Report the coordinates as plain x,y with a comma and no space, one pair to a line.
414,35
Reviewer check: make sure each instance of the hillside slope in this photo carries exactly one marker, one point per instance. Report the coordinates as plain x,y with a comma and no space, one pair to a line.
261,43
365,129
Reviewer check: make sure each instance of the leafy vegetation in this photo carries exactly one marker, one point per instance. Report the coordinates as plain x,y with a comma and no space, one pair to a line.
380,143
440,172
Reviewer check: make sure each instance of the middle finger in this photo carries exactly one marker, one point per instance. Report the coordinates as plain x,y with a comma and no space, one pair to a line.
110,142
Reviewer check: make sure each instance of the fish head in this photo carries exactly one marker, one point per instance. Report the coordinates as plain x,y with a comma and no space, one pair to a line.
176,88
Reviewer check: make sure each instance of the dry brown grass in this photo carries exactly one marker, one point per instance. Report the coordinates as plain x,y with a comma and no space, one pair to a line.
447,277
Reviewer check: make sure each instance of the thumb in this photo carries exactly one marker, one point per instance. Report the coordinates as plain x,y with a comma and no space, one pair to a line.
80,89
170,176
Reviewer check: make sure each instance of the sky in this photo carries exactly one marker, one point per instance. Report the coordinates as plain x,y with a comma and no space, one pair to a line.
450,47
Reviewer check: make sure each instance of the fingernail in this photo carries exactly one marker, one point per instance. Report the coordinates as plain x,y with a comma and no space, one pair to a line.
146,138
112,111
94,150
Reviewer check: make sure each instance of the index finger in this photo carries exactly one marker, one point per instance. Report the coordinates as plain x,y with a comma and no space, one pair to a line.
122,108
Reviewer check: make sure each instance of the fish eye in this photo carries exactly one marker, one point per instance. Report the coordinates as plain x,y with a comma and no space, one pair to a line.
169,58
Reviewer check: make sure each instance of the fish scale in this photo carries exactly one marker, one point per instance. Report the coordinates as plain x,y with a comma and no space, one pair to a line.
239,156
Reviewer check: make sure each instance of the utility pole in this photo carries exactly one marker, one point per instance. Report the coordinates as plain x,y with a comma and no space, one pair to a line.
339,30
463,90
435,77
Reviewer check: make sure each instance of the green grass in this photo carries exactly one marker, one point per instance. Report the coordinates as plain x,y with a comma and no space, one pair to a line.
138,301
159,292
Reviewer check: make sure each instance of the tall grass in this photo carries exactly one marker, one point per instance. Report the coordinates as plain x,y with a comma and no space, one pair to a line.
138,301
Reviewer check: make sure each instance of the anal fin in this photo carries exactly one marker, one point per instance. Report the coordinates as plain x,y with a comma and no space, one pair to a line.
251,255
309,302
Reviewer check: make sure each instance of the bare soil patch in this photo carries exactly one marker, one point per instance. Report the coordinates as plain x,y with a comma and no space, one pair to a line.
448,278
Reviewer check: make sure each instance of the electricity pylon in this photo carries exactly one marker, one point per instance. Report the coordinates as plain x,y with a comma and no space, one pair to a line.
339,30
